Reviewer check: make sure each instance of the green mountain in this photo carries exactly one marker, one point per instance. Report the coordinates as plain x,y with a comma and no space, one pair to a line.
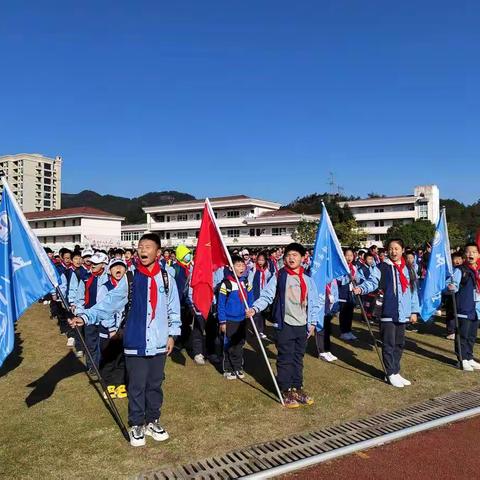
130,208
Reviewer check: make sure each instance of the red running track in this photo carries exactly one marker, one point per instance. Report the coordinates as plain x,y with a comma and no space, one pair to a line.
447,453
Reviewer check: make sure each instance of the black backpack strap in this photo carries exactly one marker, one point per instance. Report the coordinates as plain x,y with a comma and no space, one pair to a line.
165,281
129,276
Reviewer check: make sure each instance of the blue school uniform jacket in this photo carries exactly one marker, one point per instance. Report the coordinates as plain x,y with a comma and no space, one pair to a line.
143,335
230,305
468,299
274,294
397,305
254,279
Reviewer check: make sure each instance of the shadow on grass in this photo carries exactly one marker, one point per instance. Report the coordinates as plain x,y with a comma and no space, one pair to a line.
44,386
15,358
349,357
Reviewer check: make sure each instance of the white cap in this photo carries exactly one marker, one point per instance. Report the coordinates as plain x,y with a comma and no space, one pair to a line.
244,252
117,261
99,257
87,252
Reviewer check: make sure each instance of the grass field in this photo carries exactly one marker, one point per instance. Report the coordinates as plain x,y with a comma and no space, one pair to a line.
54,424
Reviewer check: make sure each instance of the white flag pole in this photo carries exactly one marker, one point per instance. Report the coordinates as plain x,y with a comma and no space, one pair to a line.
262,348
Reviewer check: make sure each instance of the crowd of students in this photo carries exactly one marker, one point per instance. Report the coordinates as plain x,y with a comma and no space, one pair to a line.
136,306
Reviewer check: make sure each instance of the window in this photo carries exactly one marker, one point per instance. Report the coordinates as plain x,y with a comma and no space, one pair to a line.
197,233
47,188
167,234
44,224
198,216
252,232
160,218
260,231
162,235
64,223
168,218
379,210
379,223
423,210
46,181
54,224
234,232
233,214
36,225
48,195
47,166
182,217
279,231
182,235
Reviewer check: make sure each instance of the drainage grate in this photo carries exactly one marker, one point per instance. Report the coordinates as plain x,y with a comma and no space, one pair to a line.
266,456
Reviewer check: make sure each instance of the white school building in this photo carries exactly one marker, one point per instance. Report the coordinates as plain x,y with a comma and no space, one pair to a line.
244,222
376,215
67,227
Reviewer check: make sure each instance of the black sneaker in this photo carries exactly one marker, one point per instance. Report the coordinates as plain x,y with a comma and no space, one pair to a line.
156,431
137,436
92,374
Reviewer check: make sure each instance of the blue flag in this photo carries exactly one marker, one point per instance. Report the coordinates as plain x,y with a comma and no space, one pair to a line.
438,271
328,259
26,272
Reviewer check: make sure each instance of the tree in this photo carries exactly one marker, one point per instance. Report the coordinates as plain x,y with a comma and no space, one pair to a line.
414,234
457,235
306,232
349,233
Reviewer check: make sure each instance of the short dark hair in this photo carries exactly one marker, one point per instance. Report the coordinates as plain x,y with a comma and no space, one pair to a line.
381,250
348,249
396,240
76,253
472,244
263,254
48,250
237,259
367,254
295,247
151,236
64,251
457,254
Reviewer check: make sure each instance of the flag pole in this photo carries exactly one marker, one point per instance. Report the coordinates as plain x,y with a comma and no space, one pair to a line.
110,402
365,317
50,272
454,299
262,348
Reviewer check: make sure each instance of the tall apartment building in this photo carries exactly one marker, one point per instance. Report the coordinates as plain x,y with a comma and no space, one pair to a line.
35,180
376,215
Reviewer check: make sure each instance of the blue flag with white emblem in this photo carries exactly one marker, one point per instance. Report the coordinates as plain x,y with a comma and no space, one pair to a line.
26,272
328,259
438,271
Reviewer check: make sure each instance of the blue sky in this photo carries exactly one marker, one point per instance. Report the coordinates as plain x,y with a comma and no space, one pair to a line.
257,97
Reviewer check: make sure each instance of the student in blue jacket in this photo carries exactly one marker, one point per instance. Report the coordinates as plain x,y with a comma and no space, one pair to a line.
322,335
231,317
296,307
400,306
152,323
466,283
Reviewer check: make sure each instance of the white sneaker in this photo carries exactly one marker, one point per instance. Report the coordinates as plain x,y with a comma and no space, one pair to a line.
325,356
230,376
352,336
406,382
156,431
466,366
475,365
79,353
263,336
199,359
395,381
70,342
332,357
137,436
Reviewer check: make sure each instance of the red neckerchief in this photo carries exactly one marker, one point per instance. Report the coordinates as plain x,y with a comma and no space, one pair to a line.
241,286
329,289
262,274
474,269
114,282
403,278
186,268
88,284
275,263
303,285
153,287
129,263
353,270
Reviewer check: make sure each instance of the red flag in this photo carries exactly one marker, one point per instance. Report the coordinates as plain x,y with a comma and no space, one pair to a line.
209,256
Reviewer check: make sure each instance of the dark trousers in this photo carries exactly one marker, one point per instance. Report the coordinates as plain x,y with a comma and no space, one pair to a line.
198,335
450,318
145,395
323,338
291,344
259,322
233,346
393,339
468,336
112,361
186,327
346,316
93,343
